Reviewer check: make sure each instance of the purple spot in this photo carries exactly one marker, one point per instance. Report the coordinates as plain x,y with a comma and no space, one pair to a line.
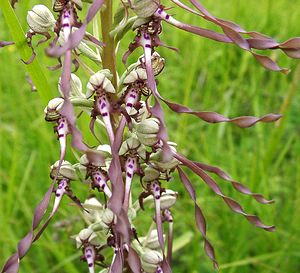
157,197
132,96
88,256
129,104
90,265
167,16
147,45
57,194
130,166
160,11
104,114
66,25
129,174
60,135
146,36
103,105
157,188
103,186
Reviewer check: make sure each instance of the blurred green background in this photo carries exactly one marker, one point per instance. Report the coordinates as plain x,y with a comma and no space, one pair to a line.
205,76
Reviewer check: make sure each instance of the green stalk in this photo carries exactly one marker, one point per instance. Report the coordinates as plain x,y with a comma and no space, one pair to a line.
108,53
34,69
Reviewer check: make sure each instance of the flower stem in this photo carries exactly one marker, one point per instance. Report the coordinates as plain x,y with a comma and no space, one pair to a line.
108,53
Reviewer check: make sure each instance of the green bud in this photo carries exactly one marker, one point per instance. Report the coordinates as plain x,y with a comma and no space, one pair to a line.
83,48
99,79
108,218
86,235
105,149
130,143
40,19
52,109
94,208
66,170
140,21
147,131
134,75
151,174
75,87
145,8
151,241
150,260
158,159
168,199
131,213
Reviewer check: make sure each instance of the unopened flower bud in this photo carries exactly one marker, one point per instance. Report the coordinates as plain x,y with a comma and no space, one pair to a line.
150,260
147,131
168,199
66,170
94,209
83,48
52,109
158,159
145,8
99,79
108,217
134,75
130,143
131,213
86,235
40,19
105,149
150,174
151,241
75,87
140,21
78,3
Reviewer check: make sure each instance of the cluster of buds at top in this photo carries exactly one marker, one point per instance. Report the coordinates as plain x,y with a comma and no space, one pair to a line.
139,148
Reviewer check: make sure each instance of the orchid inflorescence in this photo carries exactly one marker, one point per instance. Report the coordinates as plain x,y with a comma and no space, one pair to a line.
138,146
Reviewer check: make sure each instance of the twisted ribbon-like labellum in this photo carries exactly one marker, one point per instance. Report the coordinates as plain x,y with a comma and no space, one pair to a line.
134,261
257,40
167,216
12,264
6,43
160,13
213,117
156,110
237,186
117,262
200,219
232,204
